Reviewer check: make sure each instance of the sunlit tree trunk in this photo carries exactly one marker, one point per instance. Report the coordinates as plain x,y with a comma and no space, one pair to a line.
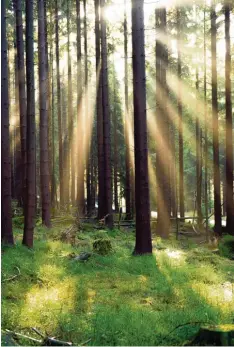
127,121
162,140
6,221
229,135
43,83
59,110
106,122
143,233
80,120
22,92
215,123
180,115
116,200
30,210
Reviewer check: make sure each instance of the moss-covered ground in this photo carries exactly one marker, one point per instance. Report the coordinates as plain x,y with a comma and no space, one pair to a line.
116,299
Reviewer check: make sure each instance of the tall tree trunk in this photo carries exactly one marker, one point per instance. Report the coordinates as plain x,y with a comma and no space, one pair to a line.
229,136
31,131
206,126
180,115
106,122
22,93
71,162
61,175
198,160
127,121
216,167
143,234
43,93
116,200
101,193
80,120
87,117
162,165
6,221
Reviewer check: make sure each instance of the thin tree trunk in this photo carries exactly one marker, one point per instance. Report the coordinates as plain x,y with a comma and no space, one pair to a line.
216,167
198,160
229,136
43,83
30,211
106,122
101,193
6,221
162,164
127,121
116,200
206,125
143,234
22,93
80,121
61,175
180,115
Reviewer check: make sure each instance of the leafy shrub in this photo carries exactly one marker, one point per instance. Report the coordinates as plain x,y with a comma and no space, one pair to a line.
102,246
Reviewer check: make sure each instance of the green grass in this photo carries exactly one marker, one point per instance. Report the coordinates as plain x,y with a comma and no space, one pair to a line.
117,299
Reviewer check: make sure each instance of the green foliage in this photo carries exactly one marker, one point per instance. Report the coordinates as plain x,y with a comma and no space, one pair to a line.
102,246
115,299
226,246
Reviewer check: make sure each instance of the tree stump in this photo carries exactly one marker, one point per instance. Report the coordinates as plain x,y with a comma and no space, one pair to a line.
214,335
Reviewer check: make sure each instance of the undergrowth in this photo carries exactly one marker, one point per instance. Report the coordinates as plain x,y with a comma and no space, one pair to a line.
117,299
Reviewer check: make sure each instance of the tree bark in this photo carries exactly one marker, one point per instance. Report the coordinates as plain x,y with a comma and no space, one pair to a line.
198,159
43,94
229,136
80,120
162,164
6,221
22,93
61,176
101,193
106,123
180,115
30,211
143,233
127,120
215,123
116,200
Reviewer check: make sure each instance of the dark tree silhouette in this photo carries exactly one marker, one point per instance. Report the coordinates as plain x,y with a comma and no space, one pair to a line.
106,122
6,221
229,136
126,128
31,131
143,234
43,94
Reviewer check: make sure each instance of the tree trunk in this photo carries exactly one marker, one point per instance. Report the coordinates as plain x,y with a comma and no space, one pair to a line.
101,193
80,121
6,221
229,136
127,120
87,118
116,200
198,159
215,123
143,233
30,211
106,123
22,93
43,93
180,116
162,163
61,178
71,156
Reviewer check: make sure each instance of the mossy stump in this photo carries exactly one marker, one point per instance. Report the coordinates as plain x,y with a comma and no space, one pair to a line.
214,335
102,246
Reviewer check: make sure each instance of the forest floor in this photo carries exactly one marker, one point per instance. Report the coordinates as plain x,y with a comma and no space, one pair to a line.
117,299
